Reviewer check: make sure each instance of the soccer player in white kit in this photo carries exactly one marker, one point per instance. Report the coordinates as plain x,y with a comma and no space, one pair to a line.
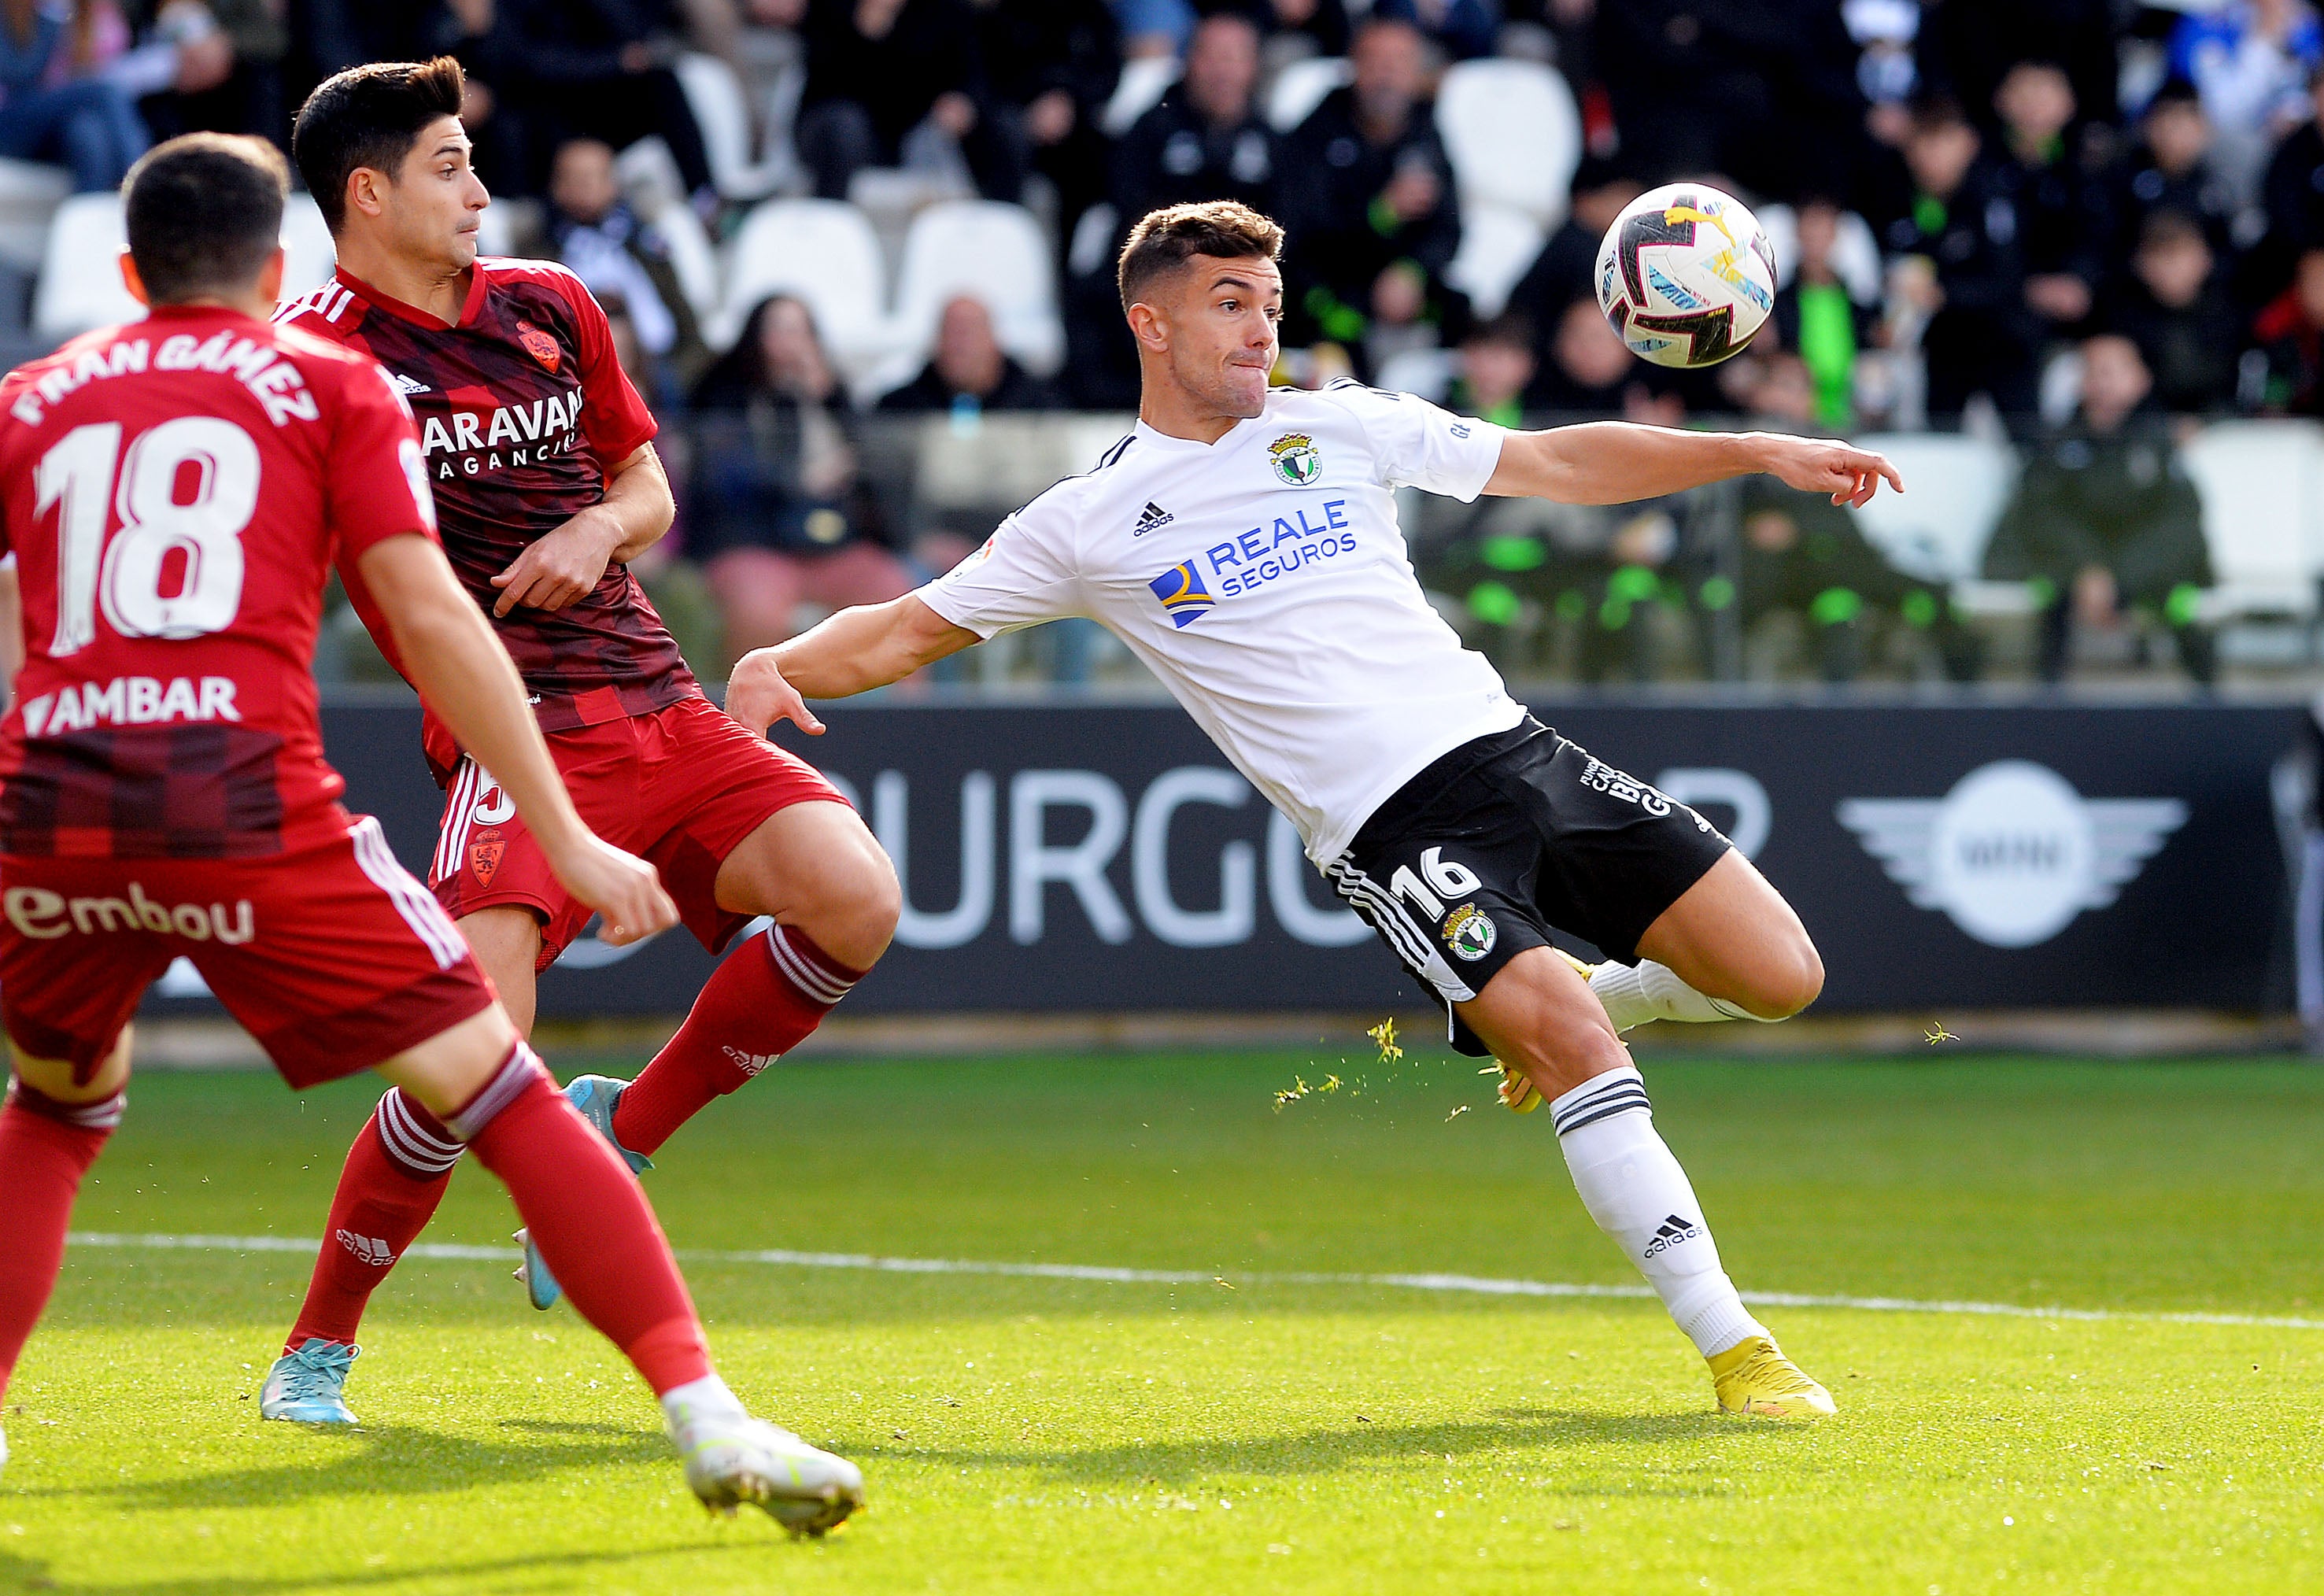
1242,542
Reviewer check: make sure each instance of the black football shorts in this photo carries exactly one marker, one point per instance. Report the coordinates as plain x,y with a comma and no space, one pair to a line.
1474,860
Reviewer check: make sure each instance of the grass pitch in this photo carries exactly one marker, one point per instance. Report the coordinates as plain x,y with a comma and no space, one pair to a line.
1235,1433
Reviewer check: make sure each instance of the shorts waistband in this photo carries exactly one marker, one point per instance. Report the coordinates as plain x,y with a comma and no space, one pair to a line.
1429,785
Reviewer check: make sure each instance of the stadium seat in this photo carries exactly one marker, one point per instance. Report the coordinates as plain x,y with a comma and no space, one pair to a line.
1424,374
723,111
1956,488
2263,489
1301,86
1143,83
80,275
1498,242
692,256
307,241
995,252
1513,133
30,193
822,251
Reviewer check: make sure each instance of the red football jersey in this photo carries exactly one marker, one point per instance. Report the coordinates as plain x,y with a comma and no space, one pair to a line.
523,409
175,490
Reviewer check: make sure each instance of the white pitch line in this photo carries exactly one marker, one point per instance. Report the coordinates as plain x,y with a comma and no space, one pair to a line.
1476,1284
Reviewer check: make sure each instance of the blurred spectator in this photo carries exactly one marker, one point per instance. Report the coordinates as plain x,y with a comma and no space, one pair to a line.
2106,522
1817,319
54,104
900,82
338,35
2176,309
1496,367
2291,330
1808,582
2169,168
1463,28
1967,47
781,513
593,230
968,373
2249,59
1206,140
1887,73
1765,91
1152,28
1291,28
1052,65
2060,209
591,69
1566,270
2293,194
1591,372
1367,200
1963,270
225,67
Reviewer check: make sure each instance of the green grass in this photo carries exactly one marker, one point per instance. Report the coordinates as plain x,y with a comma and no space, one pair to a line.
1042,1434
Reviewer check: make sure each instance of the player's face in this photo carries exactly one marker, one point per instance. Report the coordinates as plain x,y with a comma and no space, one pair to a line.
1223,332
434,206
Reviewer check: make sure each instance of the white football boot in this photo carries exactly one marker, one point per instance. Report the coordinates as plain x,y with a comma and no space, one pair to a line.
732,1458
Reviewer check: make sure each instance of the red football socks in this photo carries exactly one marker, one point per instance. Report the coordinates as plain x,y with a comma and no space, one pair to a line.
389,1188
589,1219
45,1148
757,1006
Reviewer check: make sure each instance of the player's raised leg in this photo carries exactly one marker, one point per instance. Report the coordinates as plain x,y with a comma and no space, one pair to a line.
1539,1016
1729,948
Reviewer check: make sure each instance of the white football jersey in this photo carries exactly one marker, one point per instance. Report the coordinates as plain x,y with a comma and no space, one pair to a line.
1263,579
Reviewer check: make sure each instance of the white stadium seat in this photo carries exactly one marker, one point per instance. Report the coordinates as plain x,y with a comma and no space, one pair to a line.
692,256
30,193
1956,488
1514,135
1302,86
80,273
723,111
2263,489
307,243
1144,82
1497,243
999,253
822,251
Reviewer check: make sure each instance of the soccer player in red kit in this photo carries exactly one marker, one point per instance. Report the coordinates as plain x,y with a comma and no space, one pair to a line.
541,458
174,491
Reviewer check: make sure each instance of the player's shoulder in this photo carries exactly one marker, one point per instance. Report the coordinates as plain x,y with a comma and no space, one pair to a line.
329,310
523,278
1066,501
1344,396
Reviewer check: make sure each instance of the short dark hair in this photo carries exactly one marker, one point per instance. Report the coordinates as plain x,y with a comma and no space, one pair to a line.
1166,239
369,115
204,212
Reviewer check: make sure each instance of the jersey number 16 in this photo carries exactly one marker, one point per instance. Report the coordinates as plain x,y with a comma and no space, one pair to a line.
125,576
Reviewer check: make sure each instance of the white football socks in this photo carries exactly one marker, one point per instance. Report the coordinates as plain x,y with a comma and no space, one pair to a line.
699,1399
1634,994
1636,1191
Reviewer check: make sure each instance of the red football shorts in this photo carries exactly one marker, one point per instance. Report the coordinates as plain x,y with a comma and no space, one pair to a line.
332,957
680,787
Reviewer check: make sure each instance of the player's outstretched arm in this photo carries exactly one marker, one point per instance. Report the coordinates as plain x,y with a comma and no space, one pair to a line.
852,652
460,669
1615,462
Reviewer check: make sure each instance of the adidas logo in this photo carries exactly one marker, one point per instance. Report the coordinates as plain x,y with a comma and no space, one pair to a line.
1151,519
405,384
1671,1232
369,1250
750,1063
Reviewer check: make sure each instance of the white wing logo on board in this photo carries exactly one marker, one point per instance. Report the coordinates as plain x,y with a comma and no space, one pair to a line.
2013,854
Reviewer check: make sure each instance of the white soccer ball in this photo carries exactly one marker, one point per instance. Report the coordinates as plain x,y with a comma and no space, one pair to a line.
1686,276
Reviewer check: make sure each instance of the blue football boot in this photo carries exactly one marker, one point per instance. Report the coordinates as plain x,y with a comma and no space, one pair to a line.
594,1096
308,1387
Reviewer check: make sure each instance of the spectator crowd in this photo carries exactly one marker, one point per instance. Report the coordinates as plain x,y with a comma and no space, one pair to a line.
2087,224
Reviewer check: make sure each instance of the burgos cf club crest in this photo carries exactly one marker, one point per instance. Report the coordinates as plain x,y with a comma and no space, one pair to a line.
1469,932
1183,597
1295,459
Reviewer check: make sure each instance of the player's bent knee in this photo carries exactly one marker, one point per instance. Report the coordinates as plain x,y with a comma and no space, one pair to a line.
1790,977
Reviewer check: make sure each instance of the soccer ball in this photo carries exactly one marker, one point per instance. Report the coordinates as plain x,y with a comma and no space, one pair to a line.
1686,276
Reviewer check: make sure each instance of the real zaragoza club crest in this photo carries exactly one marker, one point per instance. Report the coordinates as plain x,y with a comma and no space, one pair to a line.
1295,459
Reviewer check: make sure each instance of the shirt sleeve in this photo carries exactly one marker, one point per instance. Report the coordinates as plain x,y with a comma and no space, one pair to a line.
613,417
1421,445
1023,576
376,483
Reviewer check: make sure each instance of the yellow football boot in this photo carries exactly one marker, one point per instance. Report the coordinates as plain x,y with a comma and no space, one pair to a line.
1753,1376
